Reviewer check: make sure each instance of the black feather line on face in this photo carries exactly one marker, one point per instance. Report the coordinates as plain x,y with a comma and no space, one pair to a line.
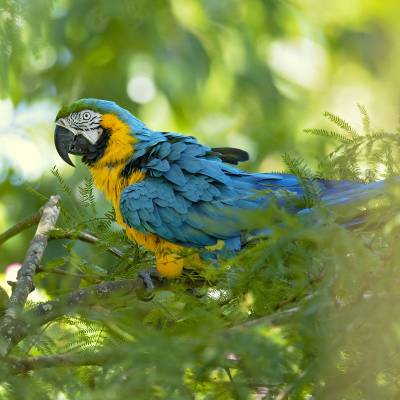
96,151
137,164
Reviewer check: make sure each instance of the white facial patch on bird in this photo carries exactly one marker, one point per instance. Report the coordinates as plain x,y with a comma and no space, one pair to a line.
85,122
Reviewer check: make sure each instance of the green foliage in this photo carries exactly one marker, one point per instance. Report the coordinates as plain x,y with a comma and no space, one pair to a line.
64,56
341,123
376,150
309,311
330,134
297,166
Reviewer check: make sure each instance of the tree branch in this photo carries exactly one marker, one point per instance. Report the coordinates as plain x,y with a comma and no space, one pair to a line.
276,318
24,284
89,296
21,226
58,233
58,271
18,366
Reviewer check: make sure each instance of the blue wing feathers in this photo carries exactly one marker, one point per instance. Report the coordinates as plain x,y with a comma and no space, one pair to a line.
176,151
190,197
164,150
175,175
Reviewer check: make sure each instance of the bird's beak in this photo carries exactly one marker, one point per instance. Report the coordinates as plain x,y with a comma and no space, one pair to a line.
63,138
68,143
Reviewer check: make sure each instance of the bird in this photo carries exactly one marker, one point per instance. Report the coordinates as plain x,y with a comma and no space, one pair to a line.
170,192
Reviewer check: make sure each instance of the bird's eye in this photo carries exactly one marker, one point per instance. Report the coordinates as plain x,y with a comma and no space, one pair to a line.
86,115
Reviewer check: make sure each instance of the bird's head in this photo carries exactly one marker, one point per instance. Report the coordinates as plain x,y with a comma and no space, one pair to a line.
96,130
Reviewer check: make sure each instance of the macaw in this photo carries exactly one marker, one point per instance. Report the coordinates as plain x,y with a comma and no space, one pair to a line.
171,192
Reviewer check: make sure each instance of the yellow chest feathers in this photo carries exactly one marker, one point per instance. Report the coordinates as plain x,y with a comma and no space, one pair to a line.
107,170
110,182
107,177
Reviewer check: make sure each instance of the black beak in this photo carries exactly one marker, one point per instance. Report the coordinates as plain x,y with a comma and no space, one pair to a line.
68,143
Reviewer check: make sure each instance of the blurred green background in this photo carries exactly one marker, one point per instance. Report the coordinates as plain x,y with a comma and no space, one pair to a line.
251,74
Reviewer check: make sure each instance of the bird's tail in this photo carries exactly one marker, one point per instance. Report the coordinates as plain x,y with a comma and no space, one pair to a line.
343,193
349,200
353,203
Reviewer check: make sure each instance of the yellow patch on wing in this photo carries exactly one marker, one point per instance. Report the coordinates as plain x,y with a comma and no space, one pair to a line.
218,246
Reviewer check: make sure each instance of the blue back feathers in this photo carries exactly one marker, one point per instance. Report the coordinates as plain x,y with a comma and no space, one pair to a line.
192,198
189,196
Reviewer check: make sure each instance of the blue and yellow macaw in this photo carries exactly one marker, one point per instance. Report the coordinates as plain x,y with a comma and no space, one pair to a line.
170,192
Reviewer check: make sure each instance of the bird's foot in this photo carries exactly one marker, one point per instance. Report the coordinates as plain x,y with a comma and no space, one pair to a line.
146,282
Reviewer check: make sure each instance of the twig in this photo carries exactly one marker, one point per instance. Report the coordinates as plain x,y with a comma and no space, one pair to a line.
18,366
297,295
24,284
277,318
82,236
285,392
89,296
21,226
58,271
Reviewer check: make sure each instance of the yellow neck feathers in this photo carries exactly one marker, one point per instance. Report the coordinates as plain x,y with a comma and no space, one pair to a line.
120,144
106,171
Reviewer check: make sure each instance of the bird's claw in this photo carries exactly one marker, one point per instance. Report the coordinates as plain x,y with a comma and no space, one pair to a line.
145,283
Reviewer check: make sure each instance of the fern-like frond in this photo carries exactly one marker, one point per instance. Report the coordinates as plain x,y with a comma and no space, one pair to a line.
86,192
341,123
330,134
380,134
41,197
79,213
80,334
366,121
61,181
298,167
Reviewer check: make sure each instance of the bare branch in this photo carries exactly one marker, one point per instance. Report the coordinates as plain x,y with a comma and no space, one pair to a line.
82,236
24,284
18,366
21,226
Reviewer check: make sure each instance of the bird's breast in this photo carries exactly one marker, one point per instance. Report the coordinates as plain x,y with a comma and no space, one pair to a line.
111,182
